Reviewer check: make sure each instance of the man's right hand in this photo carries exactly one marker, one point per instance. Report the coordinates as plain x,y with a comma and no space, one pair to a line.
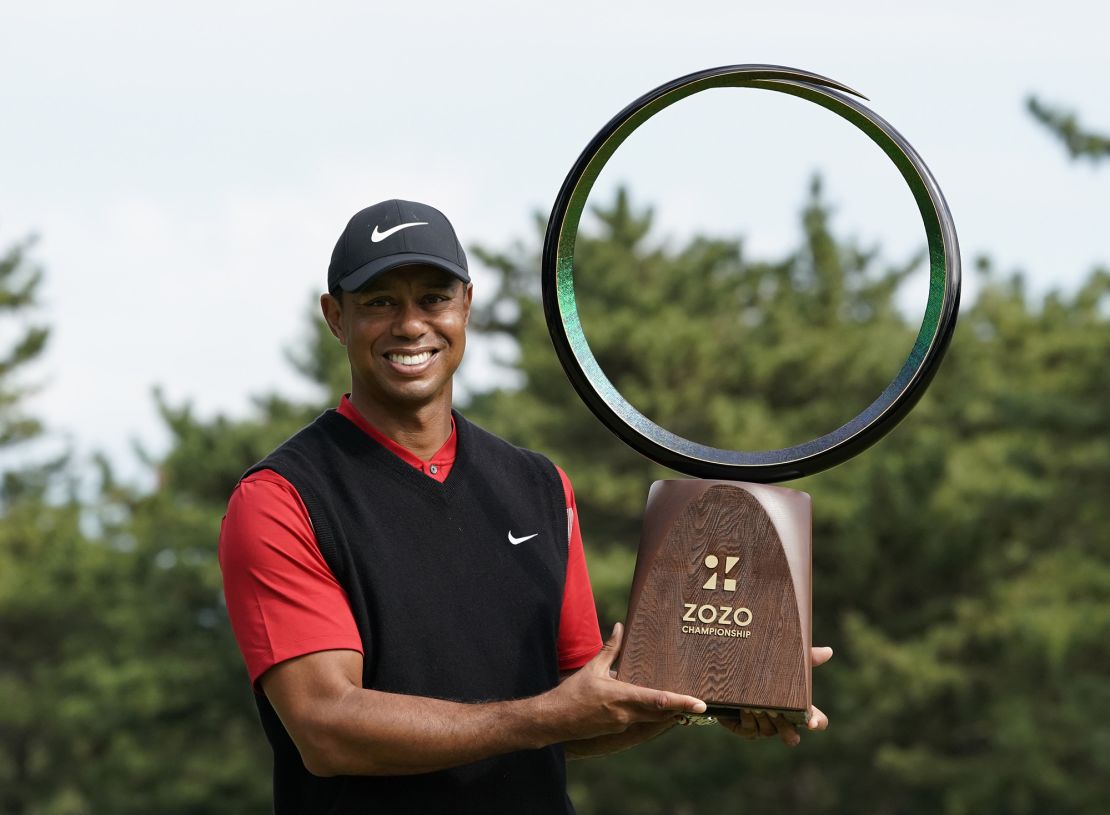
592,702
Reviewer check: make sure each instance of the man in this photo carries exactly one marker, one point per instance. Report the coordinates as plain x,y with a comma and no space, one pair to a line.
409,591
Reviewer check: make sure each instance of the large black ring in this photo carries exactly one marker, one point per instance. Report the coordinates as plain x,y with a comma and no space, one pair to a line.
657,443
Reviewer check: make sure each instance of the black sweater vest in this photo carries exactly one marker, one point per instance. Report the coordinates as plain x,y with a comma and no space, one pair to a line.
446,605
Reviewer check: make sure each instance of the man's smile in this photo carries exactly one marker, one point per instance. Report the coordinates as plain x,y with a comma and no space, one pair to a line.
411,362
410,359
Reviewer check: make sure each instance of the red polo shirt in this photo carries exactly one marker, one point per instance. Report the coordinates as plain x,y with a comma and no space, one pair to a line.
284,601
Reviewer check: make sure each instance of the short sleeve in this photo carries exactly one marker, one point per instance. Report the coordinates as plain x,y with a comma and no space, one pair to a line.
579,634
282,599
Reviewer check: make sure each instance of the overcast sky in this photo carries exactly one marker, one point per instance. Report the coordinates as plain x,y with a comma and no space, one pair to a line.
188,170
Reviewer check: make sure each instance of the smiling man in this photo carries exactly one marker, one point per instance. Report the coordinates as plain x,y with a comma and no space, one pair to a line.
408,590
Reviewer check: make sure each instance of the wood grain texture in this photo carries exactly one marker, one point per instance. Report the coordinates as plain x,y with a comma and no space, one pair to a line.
677,611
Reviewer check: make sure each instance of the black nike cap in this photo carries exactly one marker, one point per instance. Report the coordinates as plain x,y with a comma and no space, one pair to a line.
392,234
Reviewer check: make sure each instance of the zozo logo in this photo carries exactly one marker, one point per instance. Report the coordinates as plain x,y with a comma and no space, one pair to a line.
712,562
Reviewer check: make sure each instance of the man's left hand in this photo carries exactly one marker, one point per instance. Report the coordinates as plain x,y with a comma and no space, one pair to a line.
762,725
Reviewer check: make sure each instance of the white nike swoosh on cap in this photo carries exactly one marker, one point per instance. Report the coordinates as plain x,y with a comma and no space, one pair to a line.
378,237
515,541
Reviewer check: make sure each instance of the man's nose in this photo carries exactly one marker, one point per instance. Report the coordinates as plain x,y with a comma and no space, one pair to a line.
409,321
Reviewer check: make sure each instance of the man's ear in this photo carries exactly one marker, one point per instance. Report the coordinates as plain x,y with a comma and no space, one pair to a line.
333,316
469,298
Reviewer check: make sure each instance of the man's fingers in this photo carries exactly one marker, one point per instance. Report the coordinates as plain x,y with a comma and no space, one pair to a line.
817,719
750,725
765,725
821,654
787,732
667,702
748,728
754,726
608,654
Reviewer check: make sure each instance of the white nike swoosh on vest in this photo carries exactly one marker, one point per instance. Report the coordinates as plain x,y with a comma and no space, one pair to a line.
515,541
378,237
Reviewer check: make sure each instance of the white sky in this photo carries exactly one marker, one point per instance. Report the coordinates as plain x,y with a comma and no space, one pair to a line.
188,169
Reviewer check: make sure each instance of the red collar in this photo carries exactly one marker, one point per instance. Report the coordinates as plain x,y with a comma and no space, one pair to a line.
436,467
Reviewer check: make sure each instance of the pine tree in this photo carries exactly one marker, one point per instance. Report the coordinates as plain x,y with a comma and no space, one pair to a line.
1077,139
24,342
41,554
960,565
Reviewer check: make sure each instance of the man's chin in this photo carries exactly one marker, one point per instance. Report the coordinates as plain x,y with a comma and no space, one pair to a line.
415,395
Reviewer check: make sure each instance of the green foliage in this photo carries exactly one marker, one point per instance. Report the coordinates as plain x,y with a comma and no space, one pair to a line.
19,285
1079,142
121,688
961,565
39,548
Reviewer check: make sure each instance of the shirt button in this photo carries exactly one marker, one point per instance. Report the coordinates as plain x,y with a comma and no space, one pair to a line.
434,469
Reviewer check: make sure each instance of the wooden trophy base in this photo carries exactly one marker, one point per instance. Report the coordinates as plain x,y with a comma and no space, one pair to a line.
720,606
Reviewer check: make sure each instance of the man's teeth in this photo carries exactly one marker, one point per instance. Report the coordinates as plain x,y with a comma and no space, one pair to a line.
410,359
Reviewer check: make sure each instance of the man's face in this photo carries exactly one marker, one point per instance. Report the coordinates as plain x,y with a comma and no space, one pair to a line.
405,333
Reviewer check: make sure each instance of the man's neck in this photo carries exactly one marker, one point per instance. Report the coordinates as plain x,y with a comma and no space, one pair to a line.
422,429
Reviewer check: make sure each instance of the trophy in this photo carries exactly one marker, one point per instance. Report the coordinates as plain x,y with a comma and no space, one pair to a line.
720,606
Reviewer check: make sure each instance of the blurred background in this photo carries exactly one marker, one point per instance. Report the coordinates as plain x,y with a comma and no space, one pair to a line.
751,274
